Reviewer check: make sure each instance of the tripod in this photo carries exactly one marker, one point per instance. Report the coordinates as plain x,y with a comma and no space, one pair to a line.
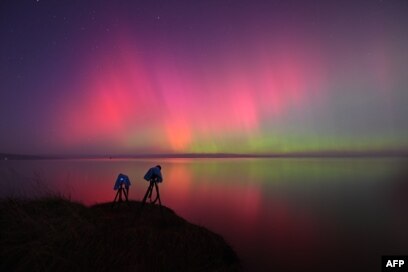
149,193
121,190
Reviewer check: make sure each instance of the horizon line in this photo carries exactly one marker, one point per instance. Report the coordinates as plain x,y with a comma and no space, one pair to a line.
315,154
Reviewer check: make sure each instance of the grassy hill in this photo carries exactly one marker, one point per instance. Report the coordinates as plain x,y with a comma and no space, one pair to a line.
55,234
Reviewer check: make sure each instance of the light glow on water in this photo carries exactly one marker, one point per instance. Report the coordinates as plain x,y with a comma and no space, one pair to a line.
269,210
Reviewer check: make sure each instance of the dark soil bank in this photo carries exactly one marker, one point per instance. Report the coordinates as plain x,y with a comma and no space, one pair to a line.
55,234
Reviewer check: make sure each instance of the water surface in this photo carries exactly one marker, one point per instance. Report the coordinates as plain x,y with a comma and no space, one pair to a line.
278,214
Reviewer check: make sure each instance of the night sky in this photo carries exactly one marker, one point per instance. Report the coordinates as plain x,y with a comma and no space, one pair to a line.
132,77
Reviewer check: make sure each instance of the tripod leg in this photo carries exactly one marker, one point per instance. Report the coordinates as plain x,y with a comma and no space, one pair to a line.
158,197
126,193
150,192
144,200
146,194
114,200
120,194
158,193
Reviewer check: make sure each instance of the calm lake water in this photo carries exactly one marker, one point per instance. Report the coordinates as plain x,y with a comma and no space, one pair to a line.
278,214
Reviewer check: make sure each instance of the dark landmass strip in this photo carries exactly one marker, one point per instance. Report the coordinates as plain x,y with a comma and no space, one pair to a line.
55,234
9,156
316,154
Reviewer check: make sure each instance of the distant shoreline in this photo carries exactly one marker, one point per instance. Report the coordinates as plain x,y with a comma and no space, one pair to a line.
323,154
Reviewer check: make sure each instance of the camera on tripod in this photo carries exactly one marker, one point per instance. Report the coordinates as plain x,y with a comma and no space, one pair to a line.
122,185
153,176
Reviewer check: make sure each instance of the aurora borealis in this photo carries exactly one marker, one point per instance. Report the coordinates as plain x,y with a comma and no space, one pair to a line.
259,77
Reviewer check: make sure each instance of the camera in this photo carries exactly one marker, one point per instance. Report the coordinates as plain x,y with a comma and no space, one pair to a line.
122,180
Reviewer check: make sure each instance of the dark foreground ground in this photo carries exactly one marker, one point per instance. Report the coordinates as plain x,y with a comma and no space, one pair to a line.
55,234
